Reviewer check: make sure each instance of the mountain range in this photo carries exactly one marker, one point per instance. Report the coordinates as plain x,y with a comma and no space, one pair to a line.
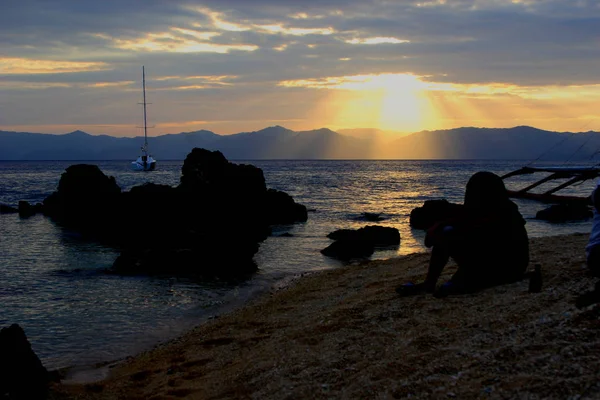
277,142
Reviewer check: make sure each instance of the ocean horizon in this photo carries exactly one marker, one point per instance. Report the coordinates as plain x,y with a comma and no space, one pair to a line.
52,281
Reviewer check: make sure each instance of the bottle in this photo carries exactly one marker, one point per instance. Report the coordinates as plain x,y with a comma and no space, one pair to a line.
535,279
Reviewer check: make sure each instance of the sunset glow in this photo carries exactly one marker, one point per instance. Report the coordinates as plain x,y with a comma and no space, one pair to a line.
401,66
14,65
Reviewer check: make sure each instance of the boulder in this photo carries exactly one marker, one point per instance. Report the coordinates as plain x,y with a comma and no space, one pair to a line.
211,224
371,217
207,171
26,209
347,249
22,375
85,199
280,208
432,212
360,243
6,209
379,236
565,212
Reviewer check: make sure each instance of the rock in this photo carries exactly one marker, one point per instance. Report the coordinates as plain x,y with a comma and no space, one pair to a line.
341,234
86,198
286,234
432,212
565,212
22,375
378,236
209,171
6,209
360,243
371,217
26,209
280,208
211,224
347,249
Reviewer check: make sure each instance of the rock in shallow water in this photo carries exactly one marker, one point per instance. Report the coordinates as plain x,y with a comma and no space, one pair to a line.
347,249
211,224
27,210
360,243
377,235
22,375
565,212
6,209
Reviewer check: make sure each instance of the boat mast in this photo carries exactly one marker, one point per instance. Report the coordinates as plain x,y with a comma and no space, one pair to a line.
144,103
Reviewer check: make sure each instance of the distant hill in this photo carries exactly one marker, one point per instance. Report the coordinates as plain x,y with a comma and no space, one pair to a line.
521,142
277,142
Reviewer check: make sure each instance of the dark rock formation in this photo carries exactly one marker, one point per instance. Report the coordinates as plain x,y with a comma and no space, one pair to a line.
22,375
27,210
371,217
209,171
85,199
347,249
379,236
211,224
360,243
432,212
280,208
565,212
6,209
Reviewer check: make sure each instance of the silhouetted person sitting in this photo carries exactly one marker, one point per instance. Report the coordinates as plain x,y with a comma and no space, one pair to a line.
592,249
487,240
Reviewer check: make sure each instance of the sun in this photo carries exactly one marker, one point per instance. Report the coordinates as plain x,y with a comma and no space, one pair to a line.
385,101
403,105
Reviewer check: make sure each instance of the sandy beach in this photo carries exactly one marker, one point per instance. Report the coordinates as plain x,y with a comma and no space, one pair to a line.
344,333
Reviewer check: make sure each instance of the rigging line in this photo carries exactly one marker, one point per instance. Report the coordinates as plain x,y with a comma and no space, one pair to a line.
579,148
562,141
551,148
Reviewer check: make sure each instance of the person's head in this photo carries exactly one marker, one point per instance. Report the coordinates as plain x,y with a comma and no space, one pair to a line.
485,190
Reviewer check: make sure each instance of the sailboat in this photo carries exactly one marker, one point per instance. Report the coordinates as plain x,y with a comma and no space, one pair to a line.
145,162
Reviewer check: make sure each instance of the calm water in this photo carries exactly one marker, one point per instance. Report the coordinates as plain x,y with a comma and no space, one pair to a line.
52,283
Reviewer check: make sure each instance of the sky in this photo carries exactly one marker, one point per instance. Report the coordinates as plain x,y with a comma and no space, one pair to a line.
241,65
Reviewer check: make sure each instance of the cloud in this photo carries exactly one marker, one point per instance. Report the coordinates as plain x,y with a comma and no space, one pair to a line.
14,65
533,49
376,40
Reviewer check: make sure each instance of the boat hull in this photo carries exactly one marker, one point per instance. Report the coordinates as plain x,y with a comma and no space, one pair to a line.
140,165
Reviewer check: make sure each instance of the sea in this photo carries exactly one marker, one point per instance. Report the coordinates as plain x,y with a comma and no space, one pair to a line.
53,283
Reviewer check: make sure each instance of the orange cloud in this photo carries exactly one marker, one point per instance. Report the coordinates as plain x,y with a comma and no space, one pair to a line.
14,65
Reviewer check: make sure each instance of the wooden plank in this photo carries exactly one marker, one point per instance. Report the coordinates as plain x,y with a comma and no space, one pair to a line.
566,184
577,174
538,183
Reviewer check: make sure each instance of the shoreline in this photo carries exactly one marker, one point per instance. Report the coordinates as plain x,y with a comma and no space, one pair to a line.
344,333
85,374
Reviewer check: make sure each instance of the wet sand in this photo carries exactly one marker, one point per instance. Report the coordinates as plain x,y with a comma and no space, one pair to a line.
344,333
